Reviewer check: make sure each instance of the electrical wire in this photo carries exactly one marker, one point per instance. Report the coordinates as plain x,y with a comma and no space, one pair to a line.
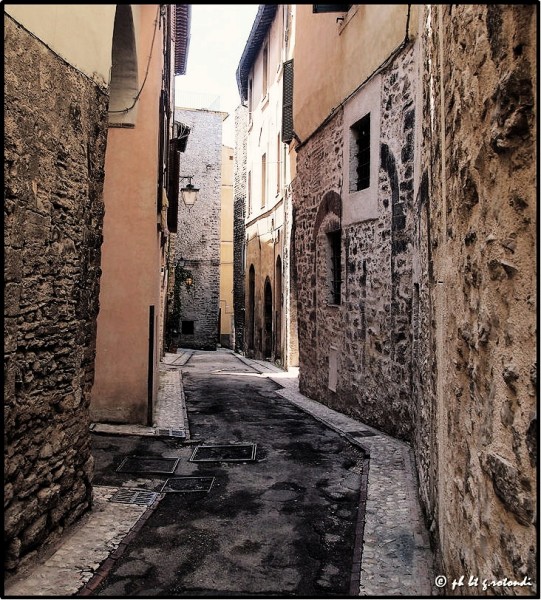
126,110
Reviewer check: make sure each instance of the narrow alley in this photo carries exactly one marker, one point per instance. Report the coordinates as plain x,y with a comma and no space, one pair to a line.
270,313
277,504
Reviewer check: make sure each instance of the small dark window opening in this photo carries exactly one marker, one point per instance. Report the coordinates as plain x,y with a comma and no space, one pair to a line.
361,135
335,241
187,327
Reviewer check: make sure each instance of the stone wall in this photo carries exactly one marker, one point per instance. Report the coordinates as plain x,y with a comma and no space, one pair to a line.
370,332
478,181
239,231
198,239
55,136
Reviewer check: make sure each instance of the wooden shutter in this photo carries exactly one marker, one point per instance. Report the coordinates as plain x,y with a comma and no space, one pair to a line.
287,103
325,8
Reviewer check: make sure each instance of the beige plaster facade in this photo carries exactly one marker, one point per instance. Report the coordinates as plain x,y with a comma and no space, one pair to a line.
82,37
270,329
226,249
355,37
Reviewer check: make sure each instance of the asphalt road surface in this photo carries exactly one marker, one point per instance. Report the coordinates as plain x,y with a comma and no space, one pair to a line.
278,521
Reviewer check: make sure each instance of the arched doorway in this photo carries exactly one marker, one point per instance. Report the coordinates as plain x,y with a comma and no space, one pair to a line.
267,334
251,308
278,309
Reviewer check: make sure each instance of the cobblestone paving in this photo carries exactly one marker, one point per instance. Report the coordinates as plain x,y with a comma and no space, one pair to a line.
81,551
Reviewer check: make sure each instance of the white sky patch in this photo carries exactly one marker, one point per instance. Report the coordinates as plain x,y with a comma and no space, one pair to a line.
218,35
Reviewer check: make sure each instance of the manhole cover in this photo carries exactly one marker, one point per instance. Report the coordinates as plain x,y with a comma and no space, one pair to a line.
147,464
130,496
224,453
171,432
188,484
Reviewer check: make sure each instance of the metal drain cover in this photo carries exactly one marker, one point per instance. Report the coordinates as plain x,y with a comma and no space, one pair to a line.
188,484
171,432
148,464
131,496
224,453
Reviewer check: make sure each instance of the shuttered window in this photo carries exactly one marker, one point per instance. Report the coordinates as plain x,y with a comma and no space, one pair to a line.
287,102
325,8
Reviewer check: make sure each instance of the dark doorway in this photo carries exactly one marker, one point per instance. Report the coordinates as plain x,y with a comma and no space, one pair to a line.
278,308
267,344
251,308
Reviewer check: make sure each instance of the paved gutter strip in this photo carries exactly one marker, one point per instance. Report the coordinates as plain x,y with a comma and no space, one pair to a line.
105,567
82,552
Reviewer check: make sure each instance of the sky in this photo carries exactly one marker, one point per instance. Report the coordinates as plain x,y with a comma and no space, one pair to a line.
218,35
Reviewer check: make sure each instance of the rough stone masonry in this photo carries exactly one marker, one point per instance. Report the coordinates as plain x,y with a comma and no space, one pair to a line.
55,136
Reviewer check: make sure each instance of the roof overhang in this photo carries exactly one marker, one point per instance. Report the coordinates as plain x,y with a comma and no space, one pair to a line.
262,23
183,15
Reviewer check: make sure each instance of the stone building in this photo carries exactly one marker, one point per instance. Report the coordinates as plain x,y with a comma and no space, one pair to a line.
197,252
263,77
414,237
239,231
139,192
56,98
66,68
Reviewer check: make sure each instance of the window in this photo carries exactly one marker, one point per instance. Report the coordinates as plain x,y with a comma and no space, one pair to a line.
359,177
278,166
249,193
287,102
335,266
250,97
263,180
187,327
265,69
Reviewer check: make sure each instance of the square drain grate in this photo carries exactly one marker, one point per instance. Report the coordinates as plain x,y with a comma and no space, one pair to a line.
148,464
184,485
180,433
224,453
131,496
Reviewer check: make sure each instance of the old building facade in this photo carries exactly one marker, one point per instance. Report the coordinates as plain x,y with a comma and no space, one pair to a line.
269,329
70,72
56,98
196,300
137,195
414,238
226,315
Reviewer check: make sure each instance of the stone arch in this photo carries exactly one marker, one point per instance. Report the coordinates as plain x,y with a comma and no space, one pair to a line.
124,84
331,203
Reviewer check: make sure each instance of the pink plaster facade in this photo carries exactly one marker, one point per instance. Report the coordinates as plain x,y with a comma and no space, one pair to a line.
127,355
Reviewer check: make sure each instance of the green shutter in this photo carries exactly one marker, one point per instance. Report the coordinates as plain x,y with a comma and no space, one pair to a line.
325,8
287,103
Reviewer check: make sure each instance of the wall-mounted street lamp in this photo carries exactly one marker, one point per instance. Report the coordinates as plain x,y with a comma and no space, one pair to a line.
189,192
